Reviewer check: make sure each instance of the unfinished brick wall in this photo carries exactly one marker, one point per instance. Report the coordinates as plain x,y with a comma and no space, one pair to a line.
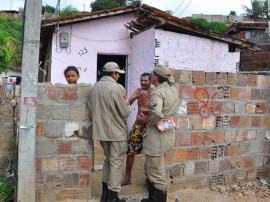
221,134
63,149
255,60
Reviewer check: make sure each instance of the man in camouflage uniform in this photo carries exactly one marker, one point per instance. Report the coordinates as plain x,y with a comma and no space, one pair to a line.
164,104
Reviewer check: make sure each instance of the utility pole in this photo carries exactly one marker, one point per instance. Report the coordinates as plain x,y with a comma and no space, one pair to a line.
268,15
27,123
57,8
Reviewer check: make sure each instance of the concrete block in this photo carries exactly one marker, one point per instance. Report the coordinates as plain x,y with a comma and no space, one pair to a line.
198,77
44,112
210,78
71,180
61,112
189,169
67,164
45,147
71,129
54,129
242,80
222,78
201,168
54,181
230,136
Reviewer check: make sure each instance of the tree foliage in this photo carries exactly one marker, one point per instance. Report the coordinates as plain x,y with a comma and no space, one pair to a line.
258,9
68,10
232,13
107,4
10,43
204,24
48,9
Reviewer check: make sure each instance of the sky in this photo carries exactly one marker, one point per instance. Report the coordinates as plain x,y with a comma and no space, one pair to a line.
180,8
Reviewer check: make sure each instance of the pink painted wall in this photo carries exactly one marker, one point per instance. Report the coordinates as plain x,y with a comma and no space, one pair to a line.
141,60
185,52
103,36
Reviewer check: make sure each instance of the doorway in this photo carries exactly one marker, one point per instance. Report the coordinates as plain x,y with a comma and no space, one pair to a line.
121,60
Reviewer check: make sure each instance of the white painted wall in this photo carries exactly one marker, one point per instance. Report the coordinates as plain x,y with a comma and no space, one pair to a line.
141,60
187,52
106,36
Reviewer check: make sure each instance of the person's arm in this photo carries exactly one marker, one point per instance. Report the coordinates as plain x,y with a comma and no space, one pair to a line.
135,96
156,105
121,102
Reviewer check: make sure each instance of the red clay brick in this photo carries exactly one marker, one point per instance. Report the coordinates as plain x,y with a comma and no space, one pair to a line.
252,80
193,154
265,122
245,94
252,174
183,123
193,108
85,180
246,121
39,129
242,80
210,78
197,138
256,121
234,94
66,194
244,148
38,165
208,138
70,94
196,123
241,135
225,165
248,162
55,93
205,153
251,108
84,163
198,77
232,78
218,137
64,147
232,150
222,78
260,108
181,155
67,164
235,121
183,139
201,168
188,92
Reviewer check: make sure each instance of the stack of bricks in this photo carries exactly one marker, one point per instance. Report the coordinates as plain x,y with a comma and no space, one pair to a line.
64,153
223,129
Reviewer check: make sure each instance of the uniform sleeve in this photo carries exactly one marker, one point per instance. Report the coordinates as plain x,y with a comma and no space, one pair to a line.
121,102
156,105
171,81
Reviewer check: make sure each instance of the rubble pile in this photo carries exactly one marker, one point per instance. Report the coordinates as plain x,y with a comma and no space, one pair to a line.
260,189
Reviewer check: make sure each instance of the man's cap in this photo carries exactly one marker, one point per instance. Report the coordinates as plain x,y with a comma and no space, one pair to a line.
112,67
162,71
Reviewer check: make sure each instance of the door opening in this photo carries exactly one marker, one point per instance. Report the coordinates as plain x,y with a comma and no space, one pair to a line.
121,60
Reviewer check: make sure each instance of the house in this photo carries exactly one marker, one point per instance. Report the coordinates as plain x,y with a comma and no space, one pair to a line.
255,32
138,37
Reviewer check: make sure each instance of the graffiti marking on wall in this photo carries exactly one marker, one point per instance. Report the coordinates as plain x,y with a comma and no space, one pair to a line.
83,51
207,108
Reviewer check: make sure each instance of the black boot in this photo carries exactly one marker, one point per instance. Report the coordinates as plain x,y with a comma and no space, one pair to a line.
104,195
151,193
160,195
113,197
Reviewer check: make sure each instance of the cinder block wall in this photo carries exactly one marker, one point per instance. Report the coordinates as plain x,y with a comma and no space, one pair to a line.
64,151
223,122
221,134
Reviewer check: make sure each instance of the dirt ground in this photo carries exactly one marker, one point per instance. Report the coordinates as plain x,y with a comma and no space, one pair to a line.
136,191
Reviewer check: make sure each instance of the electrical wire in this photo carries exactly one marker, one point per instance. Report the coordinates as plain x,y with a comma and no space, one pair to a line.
185,8
179,6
